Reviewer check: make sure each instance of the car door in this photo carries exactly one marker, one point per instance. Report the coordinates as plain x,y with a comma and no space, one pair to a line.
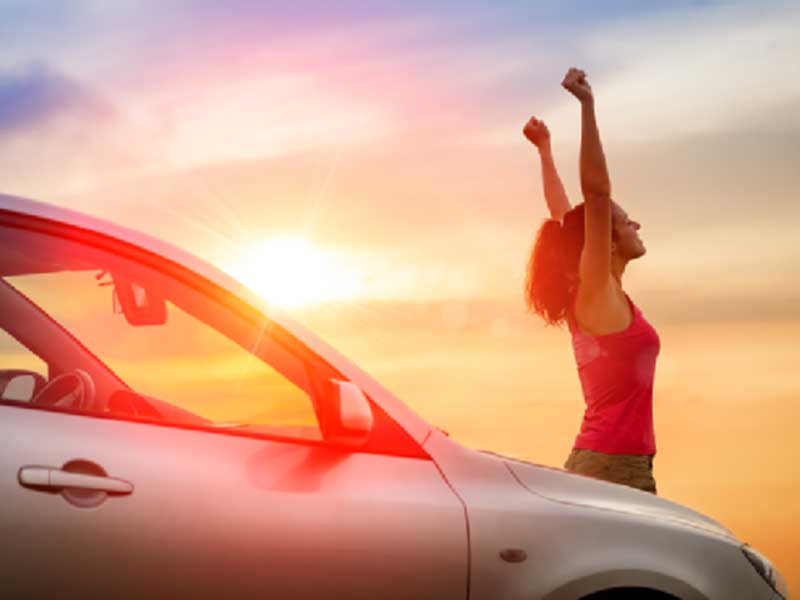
201,478
215,515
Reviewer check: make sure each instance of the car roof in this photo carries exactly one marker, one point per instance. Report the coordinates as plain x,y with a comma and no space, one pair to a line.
410,421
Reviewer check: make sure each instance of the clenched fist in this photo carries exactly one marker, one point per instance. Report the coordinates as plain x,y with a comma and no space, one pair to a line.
536,131
575,83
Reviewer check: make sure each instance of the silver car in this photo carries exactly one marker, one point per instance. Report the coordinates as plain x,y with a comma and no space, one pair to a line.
165,433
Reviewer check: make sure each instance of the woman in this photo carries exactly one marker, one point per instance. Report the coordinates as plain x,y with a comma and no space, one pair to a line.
575,276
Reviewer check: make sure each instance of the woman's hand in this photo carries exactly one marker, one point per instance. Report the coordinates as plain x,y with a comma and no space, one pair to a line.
575,83
537,133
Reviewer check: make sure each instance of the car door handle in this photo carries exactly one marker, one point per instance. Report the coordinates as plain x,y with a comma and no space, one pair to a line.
57,479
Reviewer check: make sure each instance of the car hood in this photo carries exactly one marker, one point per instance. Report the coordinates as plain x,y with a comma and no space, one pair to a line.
569,488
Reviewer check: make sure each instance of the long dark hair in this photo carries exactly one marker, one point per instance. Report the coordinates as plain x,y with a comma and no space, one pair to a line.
552,277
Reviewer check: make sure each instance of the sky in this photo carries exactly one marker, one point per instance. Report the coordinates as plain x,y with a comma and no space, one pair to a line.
380,145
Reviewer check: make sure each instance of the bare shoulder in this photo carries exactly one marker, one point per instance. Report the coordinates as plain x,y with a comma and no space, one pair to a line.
604,311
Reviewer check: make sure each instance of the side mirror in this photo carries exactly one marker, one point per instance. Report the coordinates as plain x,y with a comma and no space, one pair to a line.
140,306
346,417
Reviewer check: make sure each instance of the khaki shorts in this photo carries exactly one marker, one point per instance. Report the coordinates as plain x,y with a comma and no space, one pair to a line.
634,470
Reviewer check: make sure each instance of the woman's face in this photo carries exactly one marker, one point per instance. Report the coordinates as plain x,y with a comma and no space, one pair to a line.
627,243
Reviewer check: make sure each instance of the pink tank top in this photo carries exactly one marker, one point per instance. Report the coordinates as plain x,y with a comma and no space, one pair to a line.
617,373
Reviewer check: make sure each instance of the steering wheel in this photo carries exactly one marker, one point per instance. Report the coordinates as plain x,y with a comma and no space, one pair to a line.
73,389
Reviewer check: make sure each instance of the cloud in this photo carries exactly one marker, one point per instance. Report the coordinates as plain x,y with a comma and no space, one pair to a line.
720,68
34,94
268,115
60,134
695,70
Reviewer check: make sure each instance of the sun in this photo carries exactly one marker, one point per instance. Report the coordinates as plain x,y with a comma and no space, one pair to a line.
293,272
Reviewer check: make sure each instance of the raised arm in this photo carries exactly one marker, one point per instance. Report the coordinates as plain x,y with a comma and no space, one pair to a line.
595,265
594,173
554,194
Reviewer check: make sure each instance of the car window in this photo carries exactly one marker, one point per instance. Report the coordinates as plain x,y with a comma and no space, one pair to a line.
152,344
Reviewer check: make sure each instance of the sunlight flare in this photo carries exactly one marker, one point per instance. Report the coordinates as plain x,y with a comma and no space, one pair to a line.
293,271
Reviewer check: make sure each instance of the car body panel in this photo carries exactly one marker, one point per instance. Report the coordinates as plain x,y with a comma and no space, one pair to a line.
595,493
214,515
627,546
